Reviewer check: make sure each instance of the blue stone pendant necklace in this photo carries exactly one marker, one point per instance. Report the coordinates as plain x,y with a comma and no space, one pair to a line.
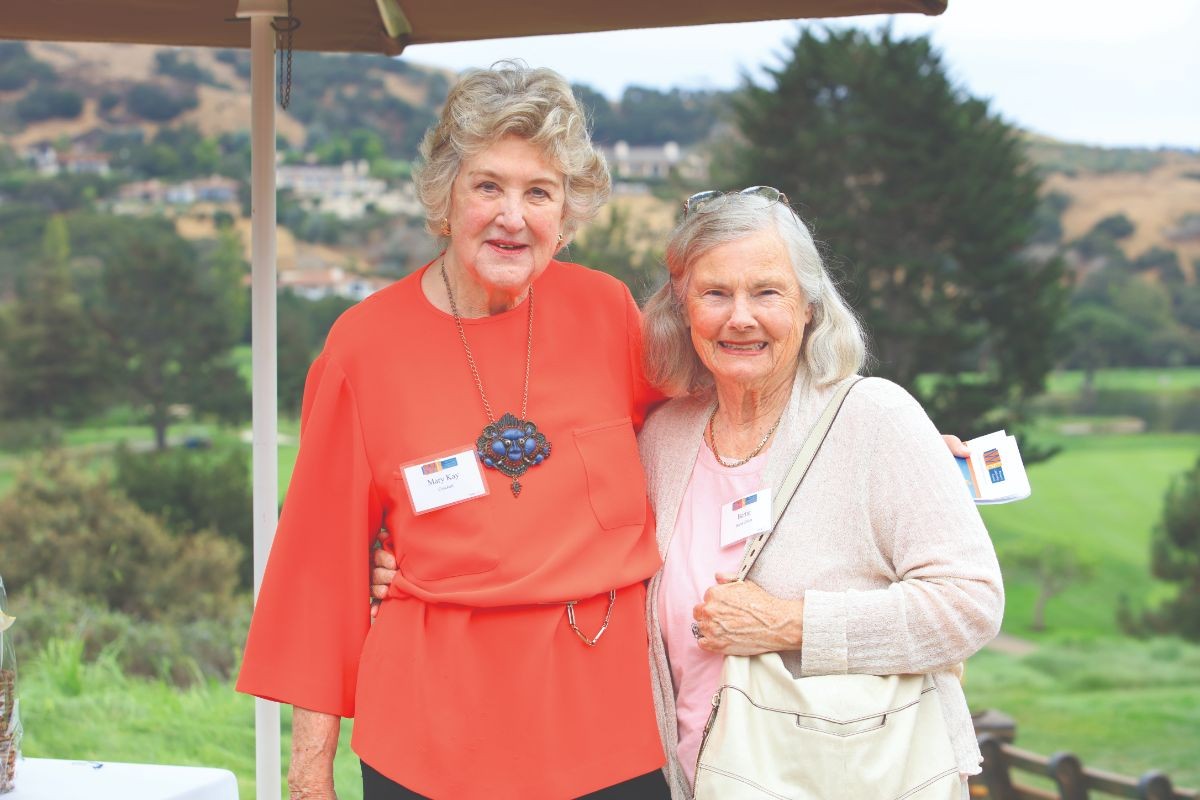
511,444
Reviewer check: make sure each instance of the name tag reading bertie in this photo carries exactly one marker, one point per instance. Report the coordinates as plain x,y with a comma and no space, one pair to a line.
439,481
745,517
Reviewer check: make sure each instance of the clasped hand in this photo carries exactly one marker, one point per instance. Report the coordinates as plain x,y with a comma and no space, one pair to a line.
743,619
735,618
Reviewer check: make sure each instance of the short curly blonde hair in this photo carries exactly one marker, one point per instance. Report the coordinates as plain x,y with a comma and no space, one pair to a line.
513,99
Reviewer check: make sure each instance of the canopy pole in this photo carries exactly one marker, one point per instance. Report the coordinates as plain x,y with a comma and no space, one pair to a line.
263,343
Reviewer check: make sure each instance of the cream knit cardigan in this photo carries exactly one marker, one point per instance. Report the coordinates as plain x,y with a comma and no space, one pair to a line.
881,541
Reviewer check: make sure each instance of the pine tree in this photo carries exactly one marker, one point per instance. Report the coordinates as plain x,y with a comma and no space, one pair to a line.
1175,558
53,364
171,319
925,200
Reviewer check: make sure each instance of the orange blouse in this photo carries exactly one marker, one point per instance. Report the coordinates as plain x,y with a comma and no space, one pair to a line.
470,683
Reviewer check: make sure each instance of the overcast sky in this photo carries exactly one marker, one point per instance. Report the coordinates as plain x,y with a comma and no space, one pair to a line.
1091,71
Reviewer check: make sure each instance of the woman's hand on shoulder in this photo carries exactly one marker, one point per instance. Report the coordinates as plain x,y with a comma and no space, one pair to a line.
743,619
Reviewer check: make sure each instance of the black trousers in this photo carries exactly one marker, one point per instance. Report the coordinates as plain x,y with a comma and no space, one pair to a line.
651,786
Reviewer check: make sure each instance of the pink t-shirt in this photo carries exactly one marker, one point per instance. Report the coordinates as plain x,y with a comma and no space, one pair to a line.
694,557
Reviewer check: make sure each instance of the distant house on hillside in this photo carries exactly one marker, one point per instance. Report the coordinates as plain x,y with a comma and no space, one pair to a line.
135,197
212,189
347,191
317,284
151,192
46,159
80,163
42,157
654,162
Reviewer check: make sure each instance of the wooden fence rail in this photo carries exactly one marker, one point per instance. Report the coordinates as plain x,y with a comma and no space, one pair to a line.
1074,781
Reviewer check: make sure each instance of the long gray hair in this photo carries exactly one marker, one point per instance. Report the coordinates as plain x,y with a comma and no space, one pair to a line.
834,345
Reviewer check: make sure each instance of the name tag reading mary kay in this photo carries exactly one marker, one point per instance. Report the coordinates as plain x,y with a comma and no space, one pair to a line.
745,517
439,481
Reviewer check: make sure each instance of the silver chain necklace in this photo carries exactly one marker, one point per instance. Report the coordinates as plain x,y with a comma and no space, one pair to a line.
510,444
712,442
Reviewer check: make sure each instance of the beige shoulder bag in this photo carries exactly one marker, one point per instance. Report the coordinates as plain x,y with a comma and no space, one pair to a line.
827,737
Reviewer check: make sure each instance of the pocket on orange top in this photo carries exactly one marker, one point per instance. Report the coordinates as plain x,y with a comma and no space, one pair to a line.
616,484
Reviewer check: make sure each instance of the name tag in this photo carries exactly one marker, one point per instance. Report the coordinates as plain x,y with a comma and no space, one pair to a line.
745,517
439,481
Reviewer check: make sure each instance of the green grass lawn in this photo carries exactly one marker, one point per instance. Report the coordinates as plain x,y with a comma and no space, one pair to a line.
1121,706
93,443
1155,380
1149,380
93,712
1101,496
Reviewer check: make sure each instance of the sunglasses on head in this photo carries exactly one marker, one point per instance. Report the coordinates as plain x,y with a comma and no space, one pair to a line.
713,199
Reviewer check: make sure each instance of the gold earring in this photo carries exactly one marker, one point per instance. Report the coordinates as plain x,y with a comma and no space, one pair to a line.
560,238
445,229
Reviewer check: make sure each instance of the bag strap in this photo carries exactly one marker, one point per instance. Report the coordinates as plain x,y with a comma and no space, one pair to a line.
787,490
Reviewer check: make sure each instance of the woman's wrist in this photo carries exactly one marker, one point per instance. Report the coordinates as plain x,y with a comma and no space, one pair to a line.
314,744
792,629
311,778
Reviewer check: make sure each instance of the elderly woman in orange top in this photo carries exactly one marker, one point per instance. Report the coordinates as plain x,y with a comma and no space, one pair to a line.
484,411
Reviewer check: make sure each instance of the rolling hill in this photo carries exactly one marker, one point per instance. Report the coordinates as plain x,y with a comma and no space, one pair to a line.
124,89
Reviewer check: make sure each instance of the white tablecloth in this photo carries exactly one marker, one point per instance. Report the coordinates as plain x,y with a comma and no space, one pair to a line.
51,779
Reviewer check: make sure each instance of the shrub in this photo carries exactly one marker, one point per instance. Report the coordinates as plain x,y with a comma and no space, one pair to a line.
34,434
192,491
1116,226
13,51
109,101
156,104
1174,412
171,65
1164,262
238,59
1048,218
64,631
64,533
1175,557
19,69
44,103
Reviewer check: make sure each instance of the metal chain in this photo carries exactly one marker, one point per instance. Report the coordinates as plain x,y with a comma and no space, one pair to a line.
712,438
462,334
612,599
283,45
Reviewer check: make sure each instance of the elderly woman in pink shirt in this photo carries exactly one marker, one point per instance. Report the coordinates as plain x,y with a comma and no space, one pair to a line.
881,564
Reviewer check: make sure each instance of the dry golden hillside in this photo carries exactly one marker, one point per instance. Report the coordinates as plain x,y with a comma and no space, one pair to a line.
94,69
291,253
650,219
1155,201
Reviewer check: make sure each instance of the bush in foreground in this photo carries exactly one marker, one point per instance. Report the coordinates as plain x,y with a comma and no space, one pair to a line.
192,490
85,565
